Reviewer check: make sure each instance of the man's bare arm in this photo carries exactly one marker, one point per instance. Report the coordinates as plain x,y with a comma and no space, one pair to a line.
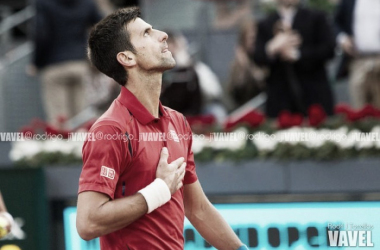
98,215
207,220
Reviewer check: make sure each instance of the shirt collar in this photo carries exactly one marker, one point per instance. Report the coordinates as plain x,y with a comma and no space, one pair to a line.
287,15
129,100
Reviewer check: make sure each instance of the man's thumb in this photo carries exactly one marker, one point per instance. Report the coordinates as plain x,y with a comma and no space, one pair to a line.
164,155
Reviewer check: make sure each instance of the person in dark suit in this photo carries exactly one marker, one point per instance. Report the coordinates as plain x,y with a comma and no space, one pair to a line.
357,27
295,43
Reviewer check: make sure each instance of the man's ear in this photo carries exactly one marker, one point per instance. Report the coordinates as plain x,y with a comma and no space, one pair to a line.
126,58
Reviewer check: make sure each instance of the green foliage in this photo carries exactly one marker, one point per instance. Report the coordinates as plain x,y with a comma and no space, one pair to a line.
49,159
323,5
286,151
365,125
268,8
328,151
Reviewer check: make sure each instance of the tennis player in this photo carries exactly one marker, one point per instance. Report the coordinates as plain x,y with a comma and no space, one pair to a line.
138,179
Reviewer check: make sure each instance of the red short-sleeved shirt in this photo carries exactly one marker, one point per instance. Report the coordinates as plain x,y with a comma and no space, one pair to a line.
119,166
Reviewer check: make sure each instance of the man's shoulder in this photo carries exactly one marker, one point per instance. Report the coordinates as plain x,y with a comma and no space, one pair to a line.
176,116
116,116
173,113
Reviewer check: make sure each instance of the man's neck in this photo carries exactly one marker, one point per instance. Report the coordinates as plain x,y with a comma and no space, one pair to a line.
147,89
286,9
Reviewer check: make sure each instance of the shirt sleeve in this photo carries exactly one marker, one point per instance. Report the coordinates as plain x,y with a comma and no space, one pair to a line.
190,175
105,156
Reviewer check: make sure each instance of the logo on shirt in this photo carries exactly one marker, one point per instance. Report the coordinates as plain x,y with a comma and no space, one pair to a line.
107,172
174,135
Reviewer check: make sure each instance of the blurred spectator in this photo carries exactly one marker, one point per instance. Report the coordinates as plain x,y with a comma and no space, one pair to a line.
335,2
191,87
101,90
61,28
109,6
105,6
295,43
231,13
246,78
358,34
180,86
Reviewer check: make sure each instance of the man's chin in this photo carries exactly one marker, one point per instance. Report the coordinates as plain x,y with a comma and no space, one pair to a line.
170,64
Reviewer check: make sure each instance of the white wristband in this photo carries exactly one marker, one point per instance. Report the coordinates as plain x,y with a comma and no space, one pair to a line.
8,216
156,194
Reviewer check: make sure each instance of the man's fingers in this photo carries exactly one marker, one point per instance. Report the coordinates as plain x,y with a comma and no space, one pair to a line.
180,184
182,175
349,48
182,167
295,41
293,37
178,162
164,155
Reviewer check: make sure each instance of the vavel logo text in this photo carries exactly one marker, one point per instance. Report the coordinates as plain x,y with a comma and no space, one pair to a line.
350,235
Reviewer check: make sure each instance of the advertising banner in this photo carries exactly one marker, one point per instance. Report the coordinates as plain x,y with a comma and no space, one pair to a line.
279,226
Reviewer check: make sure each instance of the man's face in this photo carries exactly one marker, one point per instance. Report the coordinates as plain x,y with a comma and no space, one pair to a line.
288,3
151,47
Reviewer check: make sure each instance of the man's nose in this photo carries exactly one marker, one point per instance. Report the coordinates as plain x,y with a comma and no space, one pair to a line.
163,36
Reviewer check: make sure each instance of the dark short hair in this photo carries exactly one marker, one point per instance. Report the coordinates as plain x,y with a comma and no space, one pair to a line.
108,38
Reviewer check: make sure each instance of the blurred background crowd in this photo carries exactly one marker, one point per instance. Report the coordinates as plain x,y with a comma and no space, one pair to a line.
233,56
